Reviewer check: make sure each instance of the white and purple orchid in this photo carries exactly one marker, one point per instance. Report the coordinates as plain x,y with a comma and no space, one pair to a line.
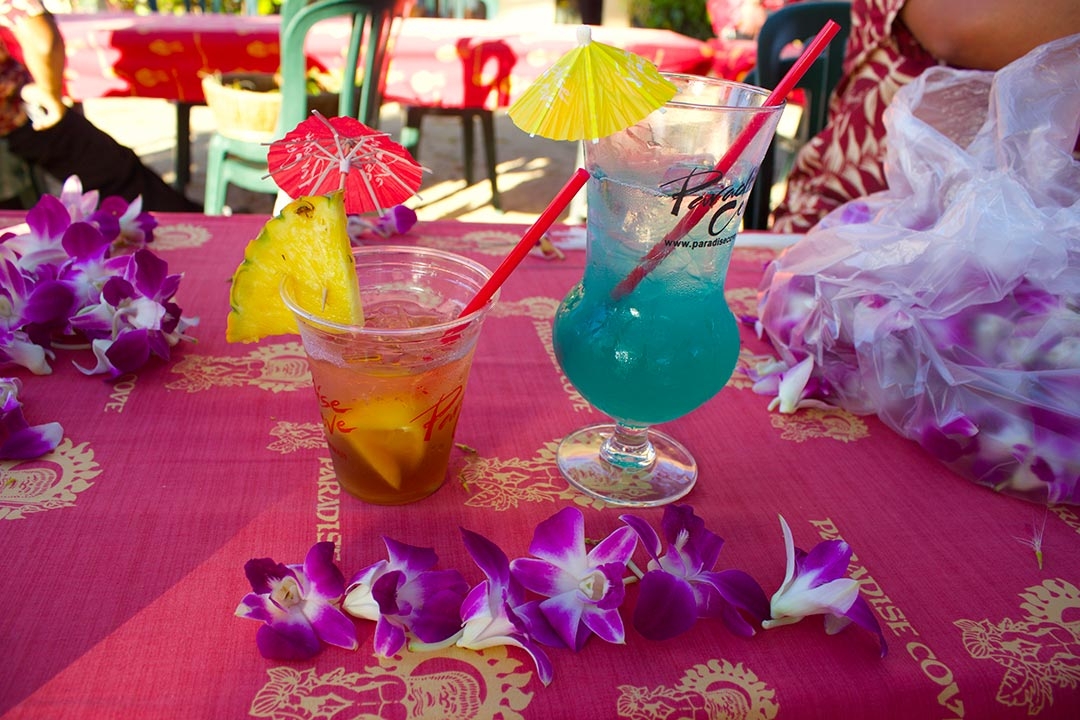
79,205
583,590
135,318
814,584
47,222
298,605
495,611
18,439
88,267
25,314
793,387
680,586
134,228
404,594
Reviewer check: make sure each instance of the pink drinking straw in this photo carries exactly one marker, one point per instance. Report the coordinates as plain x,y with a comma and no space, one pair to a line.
662,249
528,240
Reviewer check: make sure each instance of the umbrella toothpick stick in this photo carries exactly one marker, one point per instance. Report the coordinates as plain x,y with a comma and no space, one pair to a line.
662,249
323,155
528,240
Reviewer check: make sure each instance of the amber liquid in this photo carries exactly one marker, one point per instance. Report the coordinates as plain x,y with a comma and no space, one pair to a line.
390,431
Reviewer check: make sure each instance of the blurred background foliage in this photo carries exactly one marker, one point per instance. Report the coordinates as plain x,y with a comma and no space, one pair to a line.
688,17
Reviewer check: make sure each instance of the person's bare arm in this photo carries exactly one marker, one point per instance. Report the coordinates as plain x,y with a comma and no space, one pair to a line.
988,34
43,55
751,17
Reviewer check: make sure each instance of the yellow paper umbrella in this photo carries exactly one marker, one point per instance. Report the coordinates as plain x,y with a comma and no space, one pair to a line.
591,92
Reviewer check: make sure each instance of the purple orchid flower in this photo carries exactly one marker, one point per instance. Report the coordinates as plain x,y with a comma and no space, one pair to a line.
18,439
79,205
948,439
47,308
495,611
583,590
680,586
403,594
130,227
135,318
794,387
298,605
398,220
30,310
17,348
814,584
124,225
47,220
88,267
15,345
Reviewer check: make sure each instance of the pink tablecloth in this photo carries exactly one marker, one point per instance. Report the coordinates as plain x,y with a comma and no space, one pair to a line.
124,549
447,62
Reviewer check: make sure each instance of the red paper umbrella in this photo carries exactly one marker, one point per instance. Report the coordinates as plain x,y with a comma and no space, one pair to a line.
321,156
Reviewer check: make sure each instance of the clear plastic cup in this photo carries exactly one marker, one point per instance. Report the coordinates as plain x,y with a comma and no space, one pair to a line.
390,391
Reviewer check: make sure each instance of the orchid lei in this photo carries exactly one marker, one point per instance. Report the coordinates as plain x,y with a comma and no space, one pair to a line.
923,368
557,598
83,275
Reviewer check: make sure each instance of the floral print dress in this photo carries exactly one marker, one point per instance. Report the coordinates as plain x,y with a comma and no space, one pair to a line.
846,159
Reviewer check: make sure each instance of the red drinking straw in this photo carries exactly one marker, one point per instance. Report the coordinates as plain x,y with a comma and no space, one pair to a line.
662,249
528,240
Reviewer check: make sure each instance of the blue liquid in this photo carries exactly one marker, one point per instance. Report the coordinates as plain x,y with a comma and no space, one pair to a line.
664,349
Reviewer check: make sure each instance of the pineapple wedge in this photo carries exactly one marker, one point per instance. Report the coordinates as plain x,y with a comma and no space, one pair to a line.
309,242
385,437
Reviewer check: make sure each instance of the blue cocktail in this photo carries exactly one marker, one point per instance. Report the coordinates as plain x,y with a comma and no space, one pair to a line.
653,350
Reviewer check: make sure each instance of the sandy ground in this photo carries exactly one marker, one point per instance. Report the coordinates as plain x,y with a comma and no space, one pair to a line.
531,170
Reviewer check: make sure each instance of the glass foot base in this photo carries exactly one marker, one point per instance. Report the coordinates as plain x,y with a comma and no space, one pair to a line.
668,479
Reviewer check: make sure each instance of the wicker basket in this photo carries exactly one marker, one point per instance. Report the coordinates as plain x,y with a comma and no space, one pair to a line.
246,106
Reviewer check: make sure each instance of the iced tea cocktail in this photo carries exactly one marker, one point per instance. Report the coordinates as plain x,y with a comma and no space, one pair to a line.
390,391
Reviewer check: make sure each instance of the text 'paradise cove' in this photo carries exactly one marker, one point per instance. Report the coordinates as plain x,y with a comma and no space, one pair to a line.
706,194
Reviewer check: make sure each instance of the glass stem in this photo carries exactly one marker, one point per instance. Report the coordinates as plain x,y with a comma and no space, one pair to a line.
629,447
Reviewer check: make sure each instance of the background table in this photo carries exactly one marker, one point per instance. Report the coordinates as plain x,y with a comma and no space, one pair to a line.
124,549
446,62
434,62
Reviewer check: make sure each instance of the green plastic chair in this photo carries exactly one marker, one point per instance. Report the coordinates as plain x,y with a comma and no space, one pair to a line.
800,21
243,163
415,114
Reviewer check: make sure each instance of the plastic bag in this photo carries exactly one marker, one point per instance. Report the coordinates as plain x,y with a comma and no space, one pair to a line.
949,305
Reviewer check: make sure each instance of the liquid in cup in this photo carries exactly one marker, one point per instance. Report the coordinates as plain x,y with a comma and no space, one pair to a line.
390,392
670,347
658,351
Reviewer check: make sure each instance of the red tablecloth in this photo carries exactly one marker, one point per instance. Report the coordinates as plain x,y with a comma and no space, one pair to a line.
124,549
448,62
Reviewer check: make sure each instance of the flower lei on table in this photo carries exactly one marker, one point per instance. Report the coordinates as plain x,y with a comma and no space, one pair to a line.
81,276
557,598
